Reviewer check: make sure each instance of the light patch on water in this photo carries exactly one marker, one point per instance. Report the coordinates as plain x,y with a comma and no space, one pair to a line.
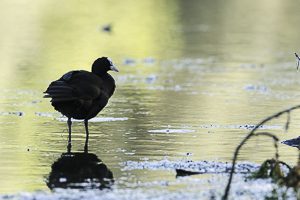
132,61
195,166
62,180
45,114
151,78
184,63
65,119
175,88
242,126
172,131
16,113
256,88
149,60
95,119
129,61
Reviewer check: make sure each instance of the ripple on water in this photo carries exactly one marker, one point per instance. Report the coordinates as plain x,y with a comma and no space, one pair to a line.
194,189
256,88
45,114
96,119
241,126
172,131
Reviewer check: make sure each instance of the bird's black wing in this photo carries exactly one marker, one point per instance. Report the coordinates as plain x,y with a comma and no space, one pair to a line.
74,85
60,90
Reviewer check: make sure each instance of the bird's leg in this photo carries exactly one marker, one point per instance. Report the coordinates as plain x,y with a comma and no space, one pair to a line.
69,140
87,136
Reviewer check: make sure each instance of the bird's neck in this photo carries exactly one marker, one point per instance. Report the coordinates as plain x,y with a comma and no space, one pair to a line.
100,73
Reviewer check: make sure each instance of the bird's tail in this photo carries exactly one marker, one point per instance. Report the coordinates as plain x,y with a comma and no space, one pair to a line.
60,91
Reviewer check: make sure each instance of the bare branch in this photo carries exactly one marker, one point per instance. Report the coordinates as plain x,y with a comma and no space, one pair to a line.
250,134
287,121
298,60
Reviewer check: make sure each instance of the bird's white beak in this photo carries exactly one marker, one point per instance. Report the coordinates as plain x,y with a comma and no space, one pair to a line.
113,68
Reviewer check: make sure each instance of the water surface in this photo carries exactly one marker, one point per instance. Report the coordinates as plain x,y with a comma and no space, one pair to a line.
194,76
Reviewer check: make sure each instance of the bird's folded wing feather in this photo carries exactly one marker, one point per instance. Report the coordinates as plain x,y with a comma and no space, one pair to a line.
74,86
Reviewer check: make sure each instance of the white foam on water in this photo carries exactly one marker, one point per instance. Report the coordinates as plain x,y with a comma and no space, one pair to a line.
242,126
240,190
45,114
257,88
195,166
204,188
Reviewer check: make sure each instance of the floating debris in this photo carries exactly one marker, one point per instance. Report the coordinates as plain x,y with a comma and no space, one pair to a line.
172,131
194,166
149,60
16,113
129,61
36,101
292,142
182,172
107,28
151,78
245,126
256,88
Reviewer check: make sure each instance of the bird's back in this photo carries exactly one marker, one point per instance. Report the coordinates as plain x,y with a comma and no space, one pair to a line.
80,94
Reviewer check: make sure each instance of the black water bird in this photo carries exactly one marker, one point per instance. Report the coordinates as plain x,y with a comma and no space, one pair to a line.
81,94
107,28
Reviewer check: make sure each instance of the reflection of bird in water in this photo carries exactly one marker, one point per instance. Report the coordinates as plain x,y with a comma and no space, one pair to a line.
79,170
81,94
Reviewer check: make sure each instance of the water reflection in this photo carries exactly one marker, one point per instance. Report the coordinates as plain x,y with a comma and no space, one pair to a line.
182,172
81,171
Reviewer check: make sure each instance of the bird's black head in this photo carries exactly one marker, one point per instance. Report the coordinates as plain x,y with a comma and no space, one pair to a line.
102,65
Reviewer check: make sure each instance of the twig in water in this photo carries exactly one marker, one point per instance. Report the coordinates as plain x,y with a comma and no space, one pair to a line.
287,124
298,60
250,134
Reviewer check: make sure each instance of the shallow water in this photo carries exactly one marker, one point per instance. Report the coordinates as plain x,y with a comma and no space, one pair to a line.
194,78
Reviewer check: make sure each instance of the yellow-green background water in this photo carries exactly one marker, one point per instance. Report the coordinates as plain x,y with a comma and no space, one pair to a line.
205,66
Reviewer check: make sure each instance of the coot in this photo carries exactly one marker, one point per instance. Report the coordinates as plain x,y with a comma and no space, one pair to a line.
81,94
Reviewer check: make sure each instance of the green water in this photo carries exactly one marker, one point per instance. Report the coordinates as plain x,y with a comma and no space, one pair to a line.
207,67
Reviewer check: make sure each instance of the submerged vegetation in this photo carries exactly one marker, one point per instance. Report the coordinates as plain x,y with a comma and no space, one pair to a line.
271,168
